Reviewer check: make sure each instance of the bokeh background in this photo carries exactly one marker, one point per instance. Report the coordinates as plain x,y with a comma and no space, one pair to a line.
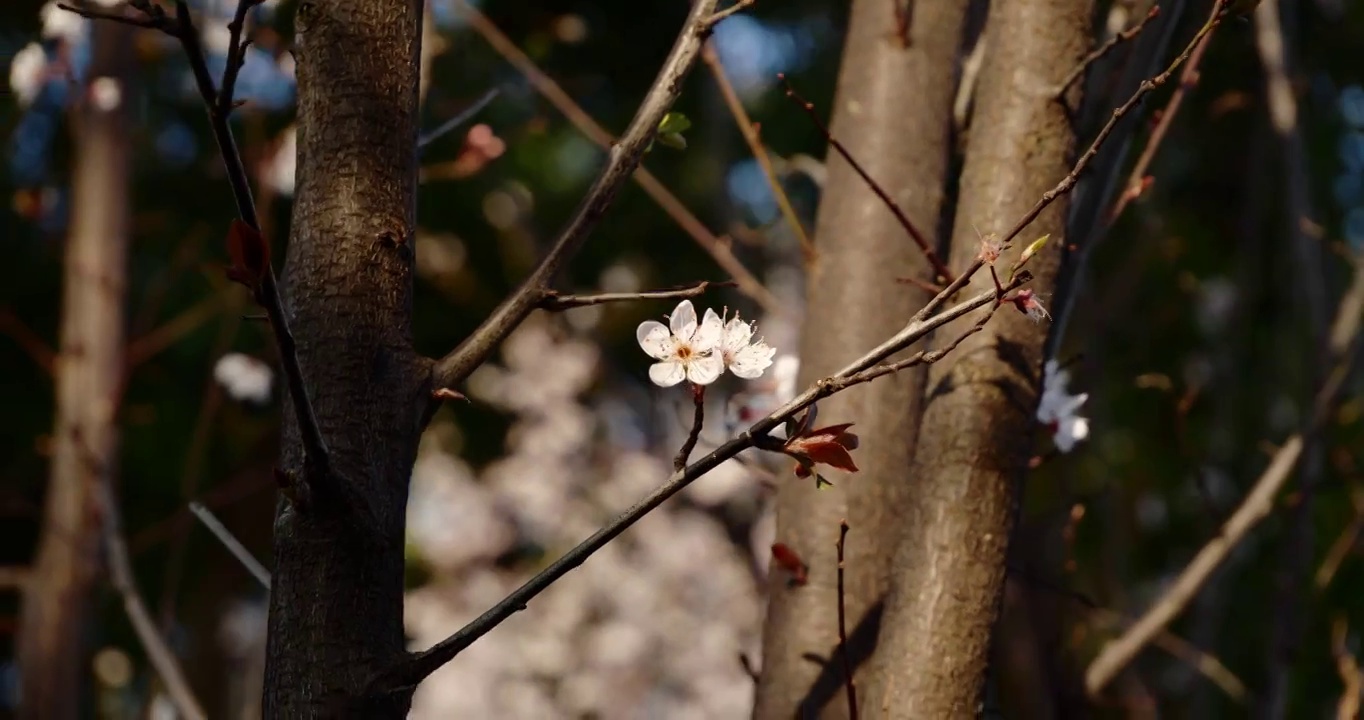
1192,339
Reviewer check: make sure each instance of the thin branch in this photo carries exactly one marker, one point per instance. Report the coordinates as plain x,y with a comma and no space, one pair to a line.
1344,543
1348,667
557,302
624,158
464,116
904,20
232,544
1136,179
121,575
1100,52
749,130
38,350
406,674
1258,504
698,396
1067,183
722,14
940,270
849,686
160,338
717,248
1205,663
219,105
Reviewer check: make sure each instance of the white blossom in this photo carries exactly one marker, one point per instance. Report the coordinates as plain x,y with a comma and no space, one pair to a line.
59,23
244,378
1057,409
106,94
26,73
684,349
742,355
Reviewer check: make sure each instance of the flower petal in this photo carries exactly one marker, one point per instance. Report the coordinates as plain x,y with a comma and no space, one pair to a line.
737,335
683,321
667,374
655,339
752,360
709,335
705,369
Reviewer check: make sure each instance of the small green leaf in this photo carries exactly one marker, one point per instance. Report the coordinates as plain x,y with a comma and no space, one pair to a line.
822,482
673,123
673,140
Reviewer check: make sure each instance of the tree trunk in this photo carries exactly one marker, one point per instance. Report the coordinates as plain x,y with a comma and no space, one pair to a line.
977,425
52,643
336,606
892,110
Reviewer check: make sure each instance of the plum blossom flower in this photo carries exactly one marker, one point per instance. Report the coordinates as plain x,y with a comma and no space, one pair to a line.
742,355
685,350
1027,303
1057,409
244,378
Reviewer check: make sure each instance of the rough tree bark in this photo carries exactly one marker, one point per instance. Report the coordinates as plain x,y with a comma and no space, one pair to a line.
892,110
336,606
52,640
974,444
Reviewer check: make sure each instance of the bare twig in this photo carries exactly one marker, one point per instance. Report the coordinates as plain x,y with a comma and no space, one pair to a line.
1200,660
940,270
624,158
121,575
904,20
232,544
219,104
698,396
1067,183
144,348
407,673
722,14
1344,543
1136,179
464,116
749,130
14,576
1350,675
717,248
1258,504
1103,50
850,688
38,350
557,302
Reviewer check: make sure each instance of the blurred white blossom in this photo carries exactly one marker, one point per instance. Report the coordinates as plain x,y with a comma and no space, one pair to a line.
684,349
62,24
26,72
106,93
245,378
650,626
1058,409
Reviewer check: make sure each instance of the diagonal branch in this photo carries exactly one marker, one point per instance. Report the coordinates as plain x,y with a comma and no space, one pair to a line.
752,137
405,675
717,248
557,302
624,158
1258,504
940,270
219,104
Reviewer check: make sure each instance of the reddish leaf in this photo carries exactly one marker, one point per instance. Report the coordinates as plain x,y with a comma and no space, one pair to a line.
788,560
828,446
250,254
